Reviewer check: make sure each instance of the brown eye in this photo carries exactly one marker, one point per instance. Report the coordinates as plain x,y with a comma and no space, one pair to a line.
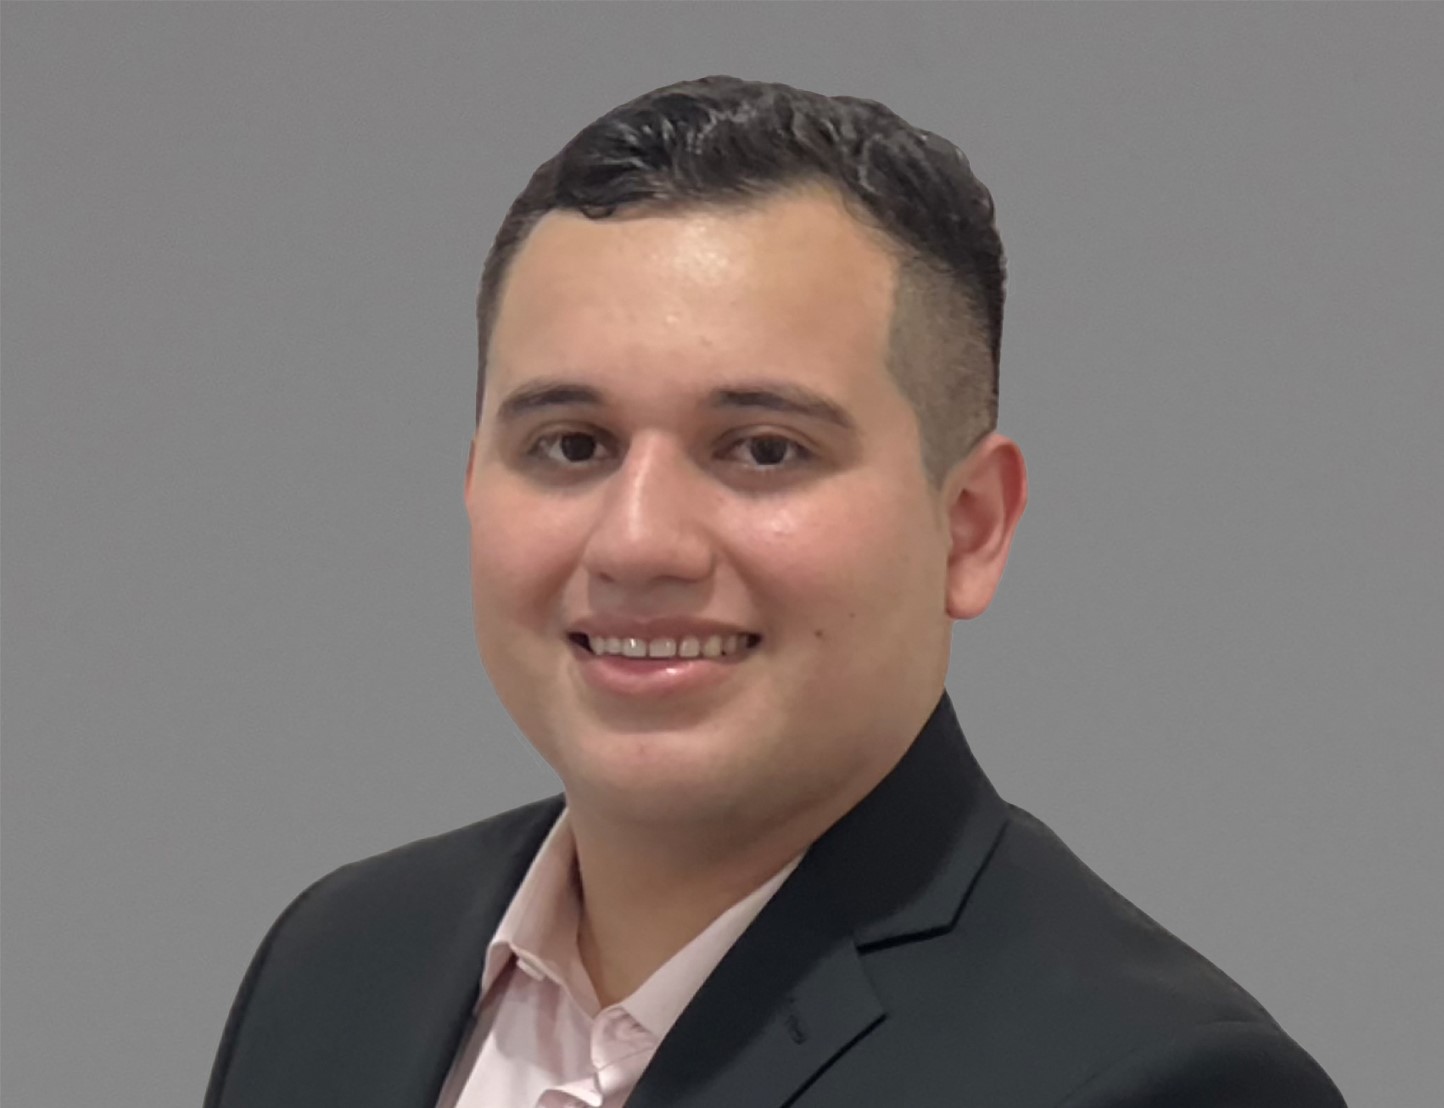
577,446
770,451
565,448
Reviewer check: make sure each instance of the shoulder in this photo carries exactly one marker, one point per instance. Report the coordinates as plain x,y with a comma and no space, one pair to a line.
361,948
1048,963
433,878
1146,1012
1095,950
1248,1064
412,897
448,865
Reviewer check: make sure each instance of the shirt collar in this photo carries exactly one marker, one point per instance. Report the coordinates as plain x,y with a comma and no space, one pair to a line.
539,929
660,999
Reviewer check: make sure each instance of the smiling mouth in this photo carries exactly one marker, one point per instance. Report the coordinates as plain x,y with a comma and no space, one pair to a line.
714,648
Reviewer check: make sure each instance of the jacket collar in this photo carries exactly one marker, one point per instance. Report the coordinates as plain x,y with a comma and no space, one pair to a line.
897,867
917,840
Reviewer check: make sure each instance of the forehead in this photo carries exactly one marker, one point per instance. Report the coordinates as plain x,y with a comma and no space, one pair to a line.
790,285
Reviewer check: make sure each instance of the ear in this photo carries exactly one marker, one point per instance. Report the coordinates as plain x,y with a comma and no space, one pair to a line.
984,496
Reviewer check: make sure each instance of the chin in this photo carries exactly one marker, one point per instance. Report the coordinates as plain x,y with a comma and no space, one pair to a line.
652,778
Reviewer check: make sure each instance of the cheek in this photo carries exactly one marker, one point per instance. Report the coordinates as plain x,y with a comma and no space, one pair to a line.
518,554
854,570
835,548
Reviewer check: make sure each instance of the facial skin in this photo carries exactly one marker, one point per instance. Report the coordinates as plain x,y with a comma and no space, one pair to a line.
840,555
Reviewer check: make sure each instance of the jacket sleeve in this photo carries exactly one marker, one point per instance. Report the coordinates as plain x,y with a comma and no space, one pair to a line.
1231,1064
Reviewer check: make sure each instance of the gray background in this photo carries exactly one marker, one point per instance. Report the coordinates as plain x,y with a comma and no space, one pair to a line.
241,243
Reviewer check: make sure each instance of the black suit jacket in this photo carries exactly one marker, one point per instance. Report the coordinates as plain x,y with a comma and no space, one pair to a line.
936,947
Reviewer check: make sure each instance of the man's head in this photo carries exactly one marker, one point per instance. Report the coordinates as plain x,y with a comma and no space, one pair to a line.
710,409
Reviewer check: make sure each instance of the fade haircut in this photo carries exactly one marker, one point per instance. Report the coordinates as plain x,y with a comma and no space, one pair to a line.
728,142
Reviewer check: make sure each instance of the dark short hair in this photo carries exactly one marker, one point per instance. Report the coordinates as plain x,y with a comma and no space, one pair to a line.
725,141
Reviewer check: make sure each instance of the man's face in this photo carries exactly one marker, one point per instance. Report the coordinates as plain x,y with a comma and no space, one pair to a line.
662,490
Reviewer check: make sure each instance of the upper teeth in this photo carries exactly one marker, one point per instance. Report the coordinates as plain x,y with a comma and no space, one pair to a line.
689,647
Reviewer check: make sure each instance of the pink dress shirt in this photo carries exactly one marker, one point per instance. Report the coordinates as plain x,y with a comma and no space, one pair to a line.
539,1040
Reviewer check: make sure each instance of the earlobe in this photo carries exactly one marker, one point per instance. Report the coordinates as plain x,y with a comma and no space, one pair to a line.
968,593
986,500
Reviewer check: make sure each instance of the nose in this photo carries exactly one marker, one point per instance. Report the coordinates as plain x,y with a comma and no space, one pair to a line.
650,523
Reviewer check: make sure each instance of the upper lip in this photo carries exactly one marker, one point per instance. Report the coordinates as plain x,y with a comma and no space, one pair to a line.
618,628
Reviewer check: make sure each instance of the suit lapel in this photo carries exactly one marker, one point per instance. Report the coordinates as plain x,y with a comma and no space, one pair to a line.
445,979
792,994
797,968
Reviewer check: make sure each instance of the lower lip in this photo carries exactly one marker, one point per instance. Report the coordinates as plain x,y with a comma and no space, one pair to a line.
643,678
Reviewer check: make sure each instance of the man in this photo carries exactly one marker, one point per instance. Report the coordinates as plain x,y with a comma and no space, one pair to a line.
735,474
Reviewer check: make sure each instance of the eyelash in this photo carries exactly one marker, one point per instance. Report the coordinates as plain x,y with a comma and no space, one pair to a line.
534,451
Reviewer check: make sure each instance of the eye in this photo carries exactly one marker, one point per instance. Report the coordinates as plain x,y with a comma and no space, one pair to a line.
769,451
577,448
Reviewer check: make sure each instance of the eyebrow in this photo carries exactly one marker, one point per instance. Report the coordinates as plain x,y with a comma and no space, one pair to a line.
770,396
